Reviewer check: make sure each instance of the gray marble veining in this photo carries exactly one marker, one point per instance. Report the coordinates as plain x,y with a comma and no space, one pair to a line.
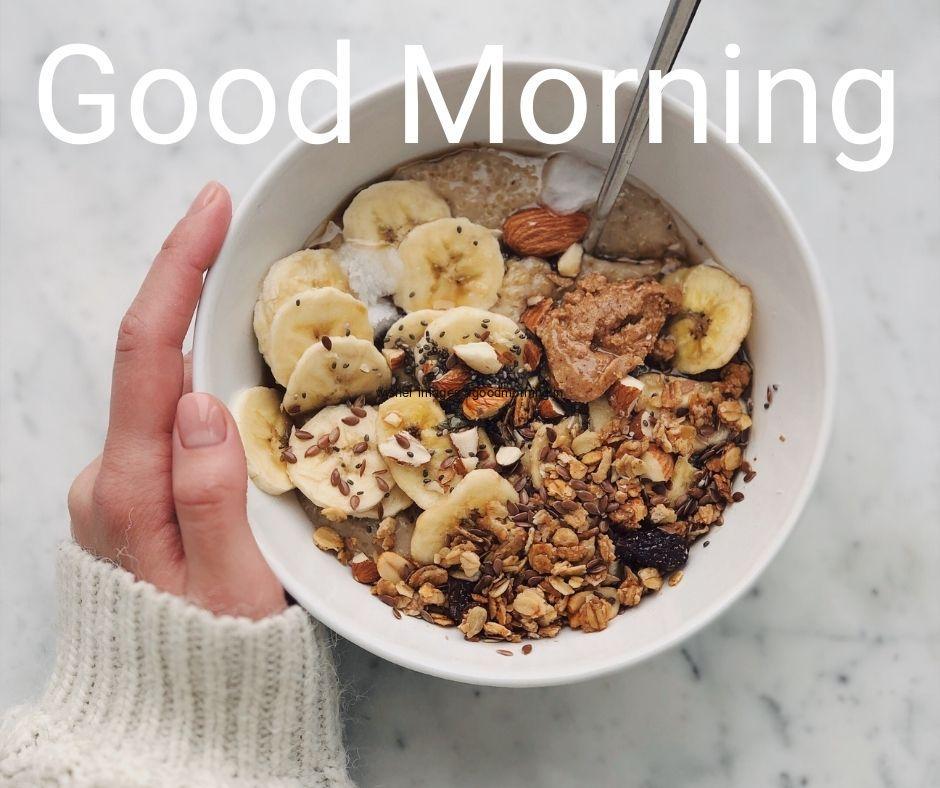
825,674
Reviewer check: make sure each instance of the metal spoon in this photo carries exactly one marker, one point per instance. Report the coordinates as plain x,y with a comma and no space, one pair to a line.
672,33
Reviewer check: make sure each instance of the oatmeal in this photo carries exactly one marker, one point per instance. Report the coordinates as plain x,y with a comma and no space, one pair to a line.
492,429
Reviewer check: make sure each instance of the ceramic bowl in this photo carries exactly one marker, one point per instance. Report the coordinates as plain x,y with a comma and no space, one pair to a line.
720,192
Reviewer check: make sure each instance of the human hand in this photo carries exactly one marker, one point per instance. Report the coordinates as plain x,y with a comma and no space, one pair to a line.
166,498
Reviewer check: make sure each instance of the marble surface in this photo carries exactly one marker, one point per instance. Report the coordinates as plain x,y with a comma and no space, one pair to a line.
825,674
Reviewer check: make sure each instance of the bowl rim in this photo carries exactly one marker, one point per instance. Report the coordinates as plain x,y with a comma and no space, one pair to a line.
213,286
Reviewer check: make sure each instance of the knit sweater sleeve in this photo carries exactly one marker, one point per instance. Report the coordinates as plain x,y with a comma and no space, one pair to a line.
150,690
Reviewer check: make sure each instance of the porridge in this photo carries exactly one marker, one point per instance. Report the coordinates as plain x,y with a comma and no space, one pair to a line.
494,430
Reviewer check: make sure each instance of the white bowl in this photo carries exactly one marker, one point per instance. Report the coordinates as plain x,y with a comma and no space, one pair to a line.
722,193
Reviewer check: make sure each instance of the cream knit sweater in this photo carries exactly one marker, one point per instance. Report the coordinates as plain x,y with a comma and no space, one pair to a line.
150,690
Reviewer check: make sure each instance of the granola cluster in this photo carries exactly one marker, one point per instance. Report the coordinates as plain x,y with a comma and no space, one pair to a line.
605,516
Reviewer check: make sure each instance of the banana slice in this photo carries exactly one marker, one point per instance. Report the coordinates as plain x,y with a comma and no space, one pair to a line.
290,276
299,323
467,325
333,370
263,429
344,474
407,331
449,262
387,211
478,489
419,420
718,316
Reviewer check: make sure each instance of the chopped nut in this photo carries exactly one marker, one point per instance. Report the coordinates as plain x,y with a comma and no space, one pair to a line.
385,533
395,357
484,404
508,455
531,355
392,419
676,577
393,567
585,442
535,312
569,264
623,395
661,513
451,382
473,622
564,537
333,514
431,595
479,356
651,578
496,630
470,564
657,465
327,539
529,603
630,591
364,570
430,574
550,410
542,558
733,413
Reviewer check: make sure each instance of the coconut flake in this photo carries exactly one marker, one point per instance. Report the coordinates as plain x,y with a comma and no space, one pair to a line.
373,269
381,315
569,183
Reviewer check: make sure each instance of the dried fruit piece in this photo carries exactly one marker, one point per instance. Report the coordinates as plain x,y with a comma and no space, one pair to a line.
656,548
540,232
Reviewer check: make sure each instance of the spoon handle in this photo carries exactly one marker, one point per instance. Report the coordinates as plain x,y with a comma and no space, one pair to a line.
672,33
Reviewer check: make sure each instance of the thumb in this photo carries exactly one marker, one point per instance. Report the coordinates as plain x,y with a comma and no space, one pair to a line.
225,572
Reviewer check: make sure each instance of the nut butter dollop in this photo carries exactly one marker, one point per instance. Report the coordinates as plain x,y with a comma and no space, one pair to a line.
601,330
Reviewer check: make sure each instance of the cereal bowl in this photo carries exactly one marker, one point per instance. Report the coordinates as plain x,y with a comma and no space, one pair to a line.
721,193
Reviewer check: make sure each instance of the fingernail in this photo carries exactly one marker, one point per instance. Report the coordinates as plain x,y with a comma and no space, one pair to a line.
199,421
206,196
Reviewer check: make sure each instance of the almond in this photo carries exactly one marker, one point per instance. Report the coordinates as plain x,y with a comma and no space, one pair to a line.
484,404
465,442
523,409
550,410
531,355
451,382
540,232
508,455
657,465
534,314
395,357
365,571
623,395
479,356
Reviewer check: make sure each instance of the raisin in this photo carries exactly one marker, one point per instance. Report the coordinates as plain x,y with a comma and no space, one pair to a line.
458,598
653,548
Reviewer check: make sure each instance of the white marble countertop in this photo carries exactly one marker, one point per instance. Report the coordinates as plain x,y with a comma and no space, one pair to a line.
825,674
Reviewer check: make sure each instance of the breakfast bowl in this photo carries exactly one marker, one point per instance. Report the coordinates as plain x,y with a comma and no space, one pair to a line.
736,214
